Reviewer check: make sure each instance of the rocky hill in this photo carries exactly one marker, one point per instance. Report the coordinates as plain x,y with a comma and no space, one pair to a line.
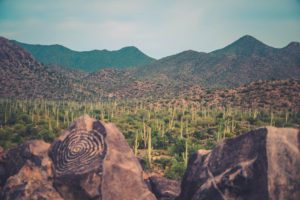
24,77
92,160
87,60
244,61
280,94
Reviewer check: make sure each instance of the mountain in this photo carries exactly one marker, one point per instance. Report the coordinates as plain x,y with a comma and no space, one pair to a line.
24,77
87,60
246,46
243,61
233,75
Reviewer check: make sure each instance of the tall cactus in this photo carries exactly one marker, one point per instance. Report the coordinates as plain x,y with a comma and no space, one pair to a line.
272,119
136,144
149,147
185,155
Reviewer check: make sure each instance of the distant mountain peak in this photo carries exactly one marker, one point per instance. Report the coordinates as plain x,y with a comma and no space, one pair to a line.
293,45
190,51
247,41
129,47
248,38
245,46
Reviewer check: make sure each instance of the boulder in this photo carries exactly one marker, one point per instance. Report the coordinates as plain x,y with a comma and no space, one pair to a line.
34,150
3,175
2,169
1,152
31,183
92,160
163,188
28,172
261,164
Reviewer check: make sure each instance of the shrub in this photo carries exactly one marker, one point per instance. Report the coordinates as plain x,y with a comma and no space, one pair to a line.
175,171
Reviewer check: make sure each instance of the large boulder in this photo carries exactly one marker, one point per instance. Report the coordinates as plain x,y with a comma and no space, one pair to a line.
28,172
31,183
163,188
14,159
92,160
3,175
1,152
261,164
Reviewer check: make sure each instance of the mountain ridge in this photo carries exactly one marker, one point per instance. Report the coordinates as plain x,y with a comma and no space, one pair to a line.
189,74
243,61
92,60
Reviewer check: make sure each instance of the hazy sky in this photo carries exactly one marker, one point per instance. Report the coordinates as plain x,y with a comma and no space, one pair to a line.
157,27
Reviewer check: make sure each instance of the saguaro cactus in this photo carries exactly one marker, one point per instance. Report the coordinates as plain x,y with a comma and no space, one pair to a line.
149,147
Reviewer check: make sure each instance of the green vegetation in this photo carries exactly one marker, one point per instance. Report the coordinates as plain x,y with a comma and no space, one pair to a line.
162,135
87,60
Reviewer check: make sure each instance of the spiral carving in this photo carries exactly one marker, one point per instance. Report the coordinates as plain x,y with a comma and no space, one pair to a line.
80,152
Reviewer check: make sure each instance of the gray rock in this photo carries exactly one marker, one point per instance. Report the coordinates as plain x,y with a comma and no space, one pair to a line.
28,171
14,159
92,160
261,164
31,183
163,188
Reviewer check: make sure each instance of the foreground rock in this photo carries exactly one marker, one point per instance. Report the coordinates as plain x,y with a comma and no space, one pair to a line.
262,164
93,161
35,151
28,172
163,188
90,160
2,168
30,183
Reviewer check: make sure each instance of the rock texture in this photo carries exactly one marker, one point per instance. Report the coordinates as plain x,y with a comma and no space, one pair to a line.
261,164
163,188
122,173
28,172
90,160
77,157
35,151
93,161
31,183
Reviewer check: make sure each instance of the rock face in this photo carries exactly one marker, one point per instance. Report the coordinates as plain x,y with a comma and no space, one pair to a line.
122,173
35,151
31,182
163,188
28,172
93,161
90,160
77,157
261,164
2,168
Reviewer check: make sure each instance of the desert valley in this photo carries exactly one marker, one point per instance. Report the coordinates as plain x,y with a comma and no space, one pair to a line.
99,124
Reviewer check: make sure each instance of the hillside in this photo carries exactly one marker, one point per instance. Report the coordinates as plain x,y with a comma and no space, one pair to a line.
243,61
87,60
24,77
175,79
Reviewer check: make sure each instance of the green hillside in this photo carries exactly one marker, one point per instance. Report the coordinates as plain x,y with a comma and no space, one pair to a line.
87,60
241,62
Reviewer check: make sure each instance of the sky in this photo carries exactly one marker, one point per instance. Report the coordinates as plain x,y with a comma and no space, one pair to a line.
157,27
